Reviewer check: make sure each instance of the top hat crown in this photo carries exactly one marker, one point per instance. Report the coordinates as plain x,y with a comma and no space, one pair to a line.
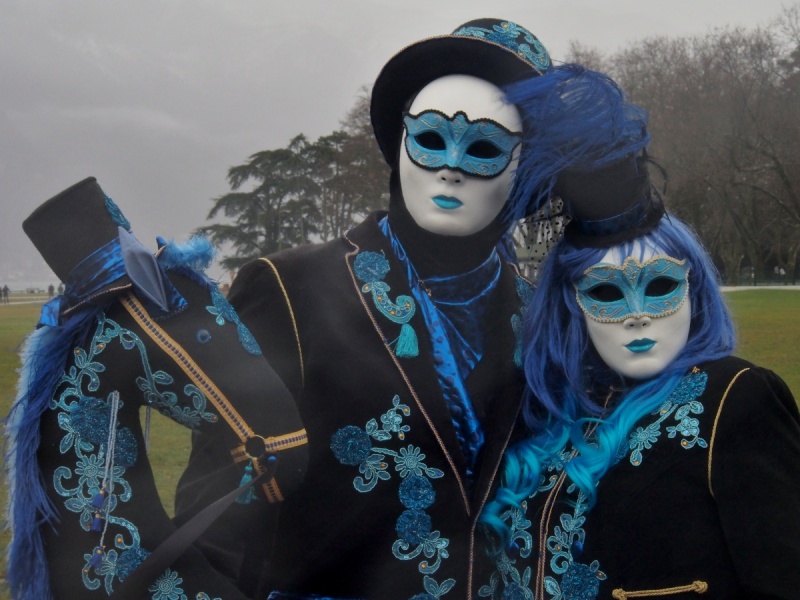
498,51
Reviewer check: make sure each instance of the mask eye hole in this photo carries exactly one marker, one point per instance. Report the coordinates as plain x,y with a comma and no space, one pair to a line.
661,286
430,141
605,292
484,149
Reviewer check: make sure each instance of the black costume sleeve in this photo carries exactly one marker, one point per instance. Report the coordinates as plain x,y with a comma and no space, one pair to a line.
754,476
238,543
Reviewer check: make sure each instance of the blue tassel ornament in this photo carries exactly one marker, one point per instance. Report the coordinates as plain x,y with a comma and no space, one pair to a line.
97,523
97,557
99,499
407,345
248,495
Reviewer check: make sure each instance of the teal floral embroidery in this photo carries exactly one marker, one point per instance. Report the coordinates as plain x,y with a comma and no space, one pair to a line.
574,580
507,581
224,312
167,587
85,418
370,268
524,293
578,581
681,404
517,39
352,446
433,590
116,214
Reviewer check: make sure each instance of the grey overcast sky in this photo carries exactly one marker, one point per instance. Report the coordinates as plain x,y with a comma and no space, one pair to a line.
157,98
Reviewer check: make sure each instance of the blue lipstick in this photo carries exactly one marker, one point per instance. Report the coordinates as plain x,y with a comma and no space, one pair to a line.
447,202
642,345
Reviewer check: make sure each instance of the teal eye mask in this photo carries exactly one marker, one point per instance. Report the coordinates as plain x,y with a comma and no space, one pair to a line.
481,148
612,293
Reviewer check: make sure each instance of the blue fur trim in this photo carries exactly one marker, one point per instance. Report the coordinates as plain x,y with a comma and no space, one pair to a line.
43,359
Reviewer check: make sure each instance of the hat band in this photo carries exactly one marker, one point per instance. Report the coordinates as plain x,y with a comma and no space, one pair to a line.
633,217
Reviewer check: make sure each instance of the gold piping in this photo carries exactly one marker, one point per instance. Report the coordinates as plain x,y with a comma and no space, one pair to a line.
701,587
291,316
714,428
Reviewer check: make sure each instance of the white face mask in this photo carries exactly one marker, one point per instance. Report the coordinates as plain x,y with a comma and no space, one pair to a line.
637,312
459,152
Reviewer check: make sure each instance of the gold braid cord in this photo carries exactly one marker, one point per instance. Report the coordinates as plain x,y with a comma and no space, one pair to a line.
234,420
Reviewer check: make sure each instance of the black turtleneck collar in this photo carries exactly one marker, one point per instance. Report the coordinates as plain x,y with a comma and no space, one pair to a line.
434,254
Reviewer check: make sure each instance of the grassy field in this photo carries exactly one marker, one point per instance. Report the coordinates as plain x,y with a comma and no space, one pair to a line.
767,323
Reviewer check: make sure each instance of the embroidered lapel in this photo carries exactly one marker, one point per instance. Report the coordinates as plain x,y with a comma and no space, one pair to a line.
418,371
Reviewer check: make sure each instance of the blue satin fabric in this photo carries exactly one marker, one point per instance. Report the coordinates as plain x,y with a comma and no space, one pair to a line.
453,313
98,270
96,274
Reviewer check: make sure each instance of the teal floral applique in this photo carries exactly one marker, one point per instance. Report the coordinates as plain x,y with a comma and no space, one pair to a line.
116,214
433,590
507,582
514,37
578,581
353,446
370,268
681,404
525,293
168,587
224,312
85,420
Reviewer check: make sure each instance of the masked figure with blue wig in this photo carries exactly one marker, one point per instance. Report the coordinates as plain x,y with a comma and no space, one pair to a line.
656,463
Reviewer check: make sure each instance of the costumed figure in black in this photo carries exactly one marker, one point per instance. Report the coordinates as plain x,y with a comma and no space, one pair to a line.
132,330
398,343
657,465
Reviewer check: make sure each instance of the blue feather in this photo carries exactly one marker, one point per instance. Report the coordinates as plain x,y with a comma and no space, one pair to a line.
196,254
43,358
573,118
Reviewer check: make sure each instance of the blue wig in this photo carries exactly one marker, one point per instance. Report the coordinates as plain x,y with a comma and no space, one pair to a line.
568,381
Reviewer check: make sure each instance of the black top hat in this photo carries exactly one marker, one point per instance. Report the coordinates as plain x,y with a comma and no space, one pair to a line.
611,204
500,52
85,239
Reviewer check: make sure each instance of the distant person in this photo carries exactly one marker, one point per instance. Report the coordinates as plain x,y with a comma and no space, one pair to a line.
5,291
51,291
60,288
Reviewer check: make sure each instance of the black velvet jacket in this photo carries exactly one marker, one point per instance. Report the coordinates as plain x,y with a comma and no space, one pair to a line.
703,504
385,510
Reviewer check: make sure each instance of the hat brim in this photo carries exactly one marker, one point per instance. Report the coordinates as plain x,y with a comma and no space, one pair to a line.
414,67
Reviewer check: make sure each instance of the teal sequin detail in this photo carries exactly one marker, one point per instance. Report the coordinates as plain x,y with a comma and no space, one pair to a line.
514,37
224,312
116,214
681,404
168,587
370,268
352,446
524,293
85,420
